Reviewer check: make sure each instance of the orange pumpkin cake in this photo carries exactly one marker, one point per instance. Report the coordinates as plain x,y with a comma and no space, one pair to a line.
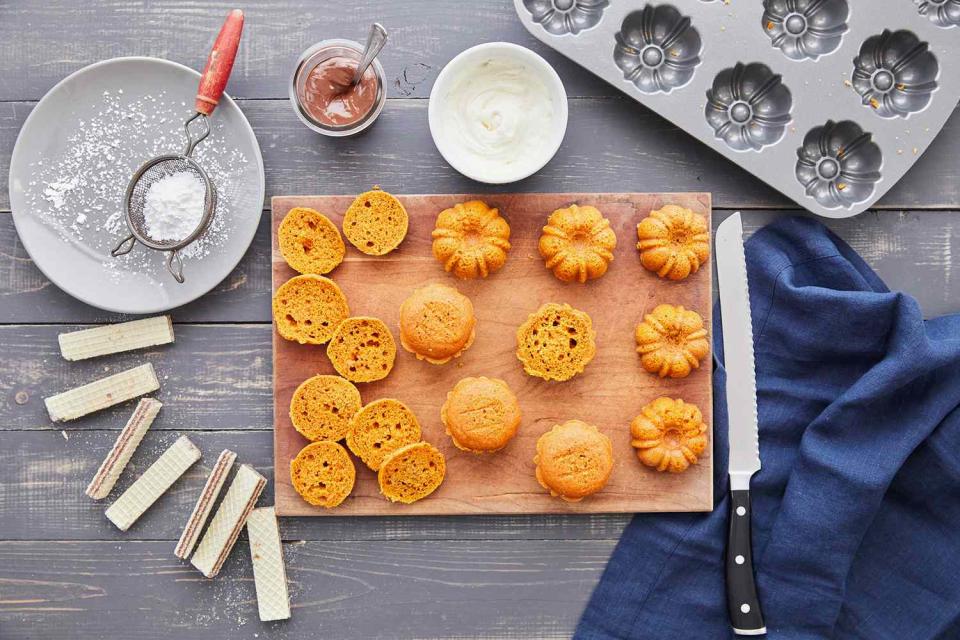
577,243
471,239
574,460
671,341
669,435
673,242
437,323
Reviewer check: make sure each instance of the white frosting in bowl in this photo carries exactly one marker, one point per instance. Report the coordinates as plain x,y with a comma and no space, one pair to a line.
498,112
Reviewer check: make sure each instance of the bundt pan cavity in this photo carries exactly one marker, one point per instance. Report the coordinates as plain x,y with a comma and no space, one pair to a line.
859,87
561,17
748,106
895,73
657,48
943,13
805,29
838,164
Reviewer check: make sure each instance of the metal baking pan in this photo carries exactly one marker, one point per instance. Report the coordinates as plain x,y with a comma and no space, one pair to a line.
828,101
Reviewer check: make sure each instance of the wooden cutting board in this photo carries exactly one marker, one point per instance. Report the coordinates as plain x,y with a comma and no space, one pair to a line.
608,394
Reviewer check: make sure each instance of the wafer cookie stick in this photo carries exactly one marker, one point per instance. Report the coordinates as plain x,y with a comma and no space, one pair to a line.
127,442
116,338
153,483
227,522
201,511
102,393
269,574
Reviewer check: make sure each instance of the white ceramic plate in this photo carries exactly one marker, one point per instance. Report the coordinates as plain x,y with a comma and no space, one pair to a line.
71,163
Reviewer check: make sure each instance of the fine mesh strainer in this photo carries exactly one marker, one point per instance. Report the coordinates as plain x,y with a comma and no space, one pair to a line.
212,83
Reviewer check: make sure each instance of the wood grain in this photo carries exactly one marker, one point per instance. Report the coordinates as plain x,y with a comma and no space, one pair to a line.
609,393
339,589
44,475
910,250
611,144
423,37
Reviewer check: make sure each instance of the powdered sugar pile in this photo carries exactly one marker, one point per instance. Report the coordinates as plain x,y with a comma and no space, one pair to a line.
80,191
173,206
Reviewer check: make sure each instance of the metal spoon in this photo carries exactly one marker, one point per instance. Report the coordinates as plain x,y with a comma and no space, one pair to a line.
375,42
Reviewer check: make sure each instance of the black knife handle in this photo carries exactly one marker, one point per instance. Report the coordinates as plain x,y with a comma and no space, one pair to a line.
742,602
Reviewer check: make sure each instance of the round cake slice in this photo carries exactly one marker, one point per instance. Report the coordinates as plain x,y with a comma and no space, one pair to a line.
412,472
323,474
556,342
381,427
308,308
323,406
375,223
310,242
362,349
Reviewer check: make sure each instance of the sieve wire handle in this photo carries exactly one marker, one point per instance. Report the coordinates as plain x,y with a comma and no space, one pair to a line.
175,265
125,246
219,63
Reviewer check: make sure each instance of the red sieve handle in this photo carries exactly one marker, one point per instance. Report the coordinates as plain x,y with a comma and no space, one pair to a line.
219,63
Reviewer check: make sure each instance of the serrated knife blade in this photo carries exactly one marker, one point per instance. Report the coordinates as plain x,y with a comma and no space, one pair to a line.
738,352
743,604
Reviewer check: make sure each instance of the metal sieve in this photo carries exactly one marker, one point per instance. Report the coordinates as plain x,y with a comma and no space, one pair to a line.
212,83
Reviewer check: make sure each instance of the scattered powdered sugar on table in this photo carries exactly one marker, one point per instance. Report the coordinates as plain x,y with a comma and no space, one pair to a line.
80,191
173,206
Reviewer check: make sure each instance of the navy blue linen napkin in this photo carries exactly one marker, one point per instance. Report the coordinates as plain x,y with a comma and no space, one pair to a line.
856,512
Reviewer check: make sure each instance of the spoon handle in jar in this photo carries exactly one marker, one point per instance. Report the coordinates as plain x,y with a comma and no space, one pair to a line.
375,42
219,64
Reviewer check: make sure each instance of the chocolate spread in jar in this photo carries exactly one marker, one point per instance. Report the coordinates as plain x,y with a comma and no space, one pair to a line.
325,99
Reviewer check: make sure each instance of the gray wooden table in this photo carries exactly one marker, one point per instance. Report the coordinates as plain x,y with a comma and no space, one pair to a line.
65,572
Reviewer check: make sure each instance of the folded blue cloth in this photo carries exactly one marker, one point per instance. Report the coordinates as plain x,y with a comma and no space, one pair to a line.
856,512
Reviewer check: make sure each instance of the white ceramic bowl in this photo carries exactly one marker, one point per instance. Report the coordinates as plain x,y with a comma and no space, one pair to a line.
454,153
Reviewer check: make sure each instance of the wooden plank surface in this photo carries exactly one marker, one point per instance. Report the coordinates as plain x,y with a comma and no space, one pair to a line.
423,36
608,394
911,250
45,473
340,589
611,144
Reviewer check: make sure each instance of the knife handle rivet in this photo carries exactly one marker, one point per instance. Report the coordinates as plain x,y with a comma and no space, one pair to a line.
739,560
745,608
741,511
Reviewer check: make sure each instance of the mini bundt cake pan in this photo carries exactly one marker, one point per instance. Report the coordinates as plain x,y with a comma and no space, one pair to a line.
828,101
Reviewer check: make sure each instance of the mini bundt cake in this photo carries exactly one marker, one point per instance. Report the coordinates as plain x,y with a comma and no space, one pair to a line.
672,341
577,243
308,308
573,460
471,239
323,474
411,473
309,242
437,323
669,435
376,222
674,242
481,414
556,342
322,407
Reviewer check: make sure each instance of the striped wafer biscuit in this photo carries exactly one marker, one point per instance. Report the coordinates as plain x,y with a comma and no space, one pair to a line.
201,511
153,483
127,442
269,574
221,535
116,338
102,393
